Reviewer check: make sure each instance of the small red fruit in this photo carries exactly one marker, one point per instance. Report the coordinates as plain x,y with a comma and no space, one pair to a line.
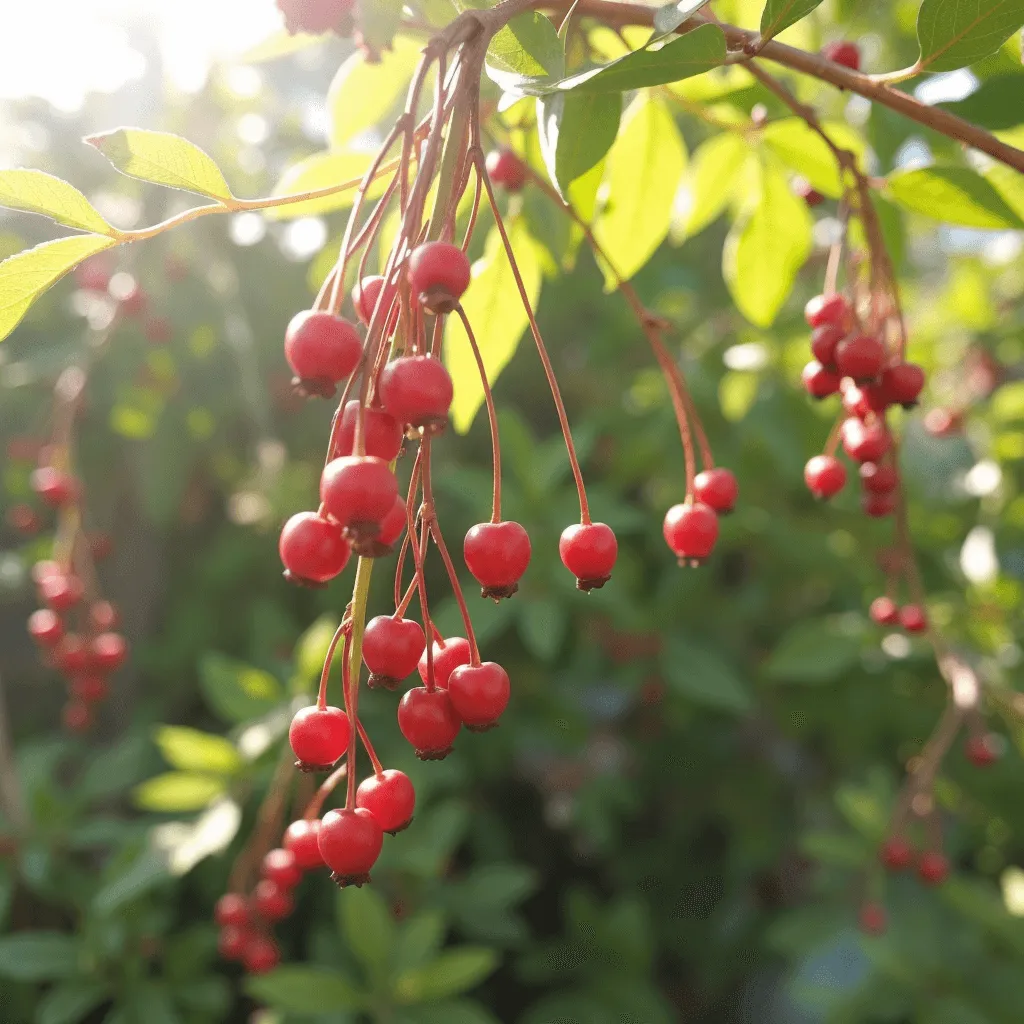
89,688
45,627
77,716
261,954
391,527
417,390
983,750
231,943
365,295
281,867
862,401
391,649
54,486
23,519
690,531
506,169
860,357
716,488
231,910
479,694
804,190
497,554
312,549
884,612
932,868
314,16
319,736
446,657
843,52
358,492
389,797
588,551
827,309
108,651
350,843
42,569
439,274
382,433
943,422
71,655
825,476
103,616
824,341
872,919
896,854
878,479
271,901
818,382
903,383
428,720
301,840
913,618
878,506
321,349
865,442
60,592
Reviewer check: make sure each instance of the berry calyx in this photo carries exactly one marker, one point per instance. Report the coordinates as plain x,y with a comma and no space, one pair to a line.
271,901
902,384
690,531
497,554
506,169
872,920
860,357
365,295
479,694
319,736
843,52
864,442
390,798
825,476
932,868
261,954
913,618
301,839
358,492
446,657
313,550
45,627
439,274
878,479
827,309
983,750
350,843
588,551
321,349
884,612
896,854
818,381
392,649
231,910
108,651
717,488
391,527
429,721
417,390
54,486
281,868
382,433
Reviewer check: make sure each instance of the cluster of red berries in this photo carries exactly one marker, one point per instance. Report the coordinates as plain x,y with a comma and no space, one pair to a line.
691,527
317,16
884,611
96,275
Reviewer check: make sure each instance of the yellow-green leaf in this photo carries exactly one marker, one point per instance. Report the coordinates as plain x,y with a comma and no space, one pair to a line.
496,315
281,44
192,750
955,33
177,791
26,275
780,14
644,169
162,158
455,970
798,146
576,131
708,184
953,195
38,192
320,171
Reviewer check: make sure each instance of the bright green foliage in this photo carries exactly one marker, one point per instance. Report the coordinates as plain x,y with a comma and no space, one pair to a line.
954,33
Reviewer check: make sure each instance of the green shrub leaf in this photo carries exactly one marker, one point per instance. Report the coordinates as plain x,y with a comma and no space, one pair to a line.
955,33
38,956
576,130
367,927
454,971
192,750
780,14
237,692
668,18
177,791
798,146
295,989
817,651
701,676
526,55
38,192
70,1003
954,195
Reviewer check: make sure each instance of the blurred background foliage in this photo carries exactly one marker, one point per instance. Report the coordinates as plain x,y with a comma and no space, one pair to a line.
678,818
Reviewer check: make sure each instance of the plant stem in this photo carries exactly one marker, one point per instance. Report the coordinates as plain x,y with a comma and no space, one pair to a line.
360,596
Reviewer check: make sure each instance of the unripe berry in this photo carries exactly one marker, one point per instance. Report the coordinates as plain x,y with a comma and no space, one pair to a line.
843,52
301,840
389,797
902,384
690,531
824,341
506,169
281,868
417,390
818,382
55,486
896,854
881,479
429,722
479,694
108,651
358,492
876,505
231,943
446,659
827,309
321,349
913,618
588,551
872,919
865,442
319,736
261,954
350,843
231,910
497,554
932,868
365,295
860,357
382,433
313,550
45,627
825,476
61,593
716,488
983,750
884,611
271,901
391,649
439,274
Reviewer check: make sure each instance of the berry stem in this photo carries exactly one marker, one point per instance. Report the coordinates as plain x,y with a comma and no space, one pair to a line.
360,596
325,789
321,699
368,746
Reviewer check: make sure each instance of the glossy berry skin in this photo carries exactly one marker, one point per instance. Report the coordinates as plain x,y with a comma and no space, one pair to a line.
878,506
54,486
319,736
819,382
261,954
932,868
825,476
824,341
391,527
439,275
872,920
860,357
982,750
382,433
827,309
280,867
365,295
913,618
108,652
358,492
864,442
446,659
903,383
843,52
71,655
417,390
690,531
896,854
271,901
588,551
506,169
301,840
884,611
716,488
429,721
89,688
61,593
231,910
45,627
392,649
863,401
350,843
878,479
44,568
231,942
313,550
390,798
497,554
479,694
321,349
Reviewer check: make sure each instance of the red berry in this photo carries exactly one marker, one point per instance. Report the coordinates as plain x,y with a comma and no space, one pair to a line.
429,722
827,309
879,479
93,275
913,618
824,341
902,384
446,658
439,275
479,694
716,488
382,433
77,716
312,549
872,919
690,531
825,476
506,169
301,840
131,296
862,401
281,867
261,954
878,506
108,651
896,854
358,492
819,382
943,422
321,349
983,750
864,442
417,390
44,568
932,868
54,486
884,611
350,843
843,52
271,901
365,295
389,797
231,910
860,357
497,554
71,655
103,616
319,736
804,190
45,627
232,942
23,519
314,16
588,551
391,649
391,527
89,688
61,592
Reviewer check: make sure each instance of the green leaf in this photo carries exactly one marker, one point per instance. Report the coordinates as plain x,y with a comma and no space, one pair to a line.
454,971
456,1011
162,158
954,195
311,648
296,989
148,869
237,692
542,625
576,131
798,146
668,18
497,316
362,94
378,23
320,171
419,939
780,14
38,956
689,55
834,848
766,249
701,676
815,651
955,33
709,183
997,104
38,192
26,275
525,54
70,1003
367,926
192,750
641,179
177,791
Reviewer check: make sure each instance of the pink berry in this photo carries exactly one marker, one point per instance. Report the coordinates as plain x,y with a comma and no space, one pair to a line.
860,357
913,618
319,736
827,309
389,797
382,433
865,442
231,910
843,52
903,383
261,954
439,274
281,868
417,390
358,492
983,750
54,486
301,839
506,169
818,382
881,479
878,505
108,651
690,531
446,658
932,868
824,341
716,488
312,549
365,295
45,627
872,919
884,611
271,901
825,476
896,854
321,349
